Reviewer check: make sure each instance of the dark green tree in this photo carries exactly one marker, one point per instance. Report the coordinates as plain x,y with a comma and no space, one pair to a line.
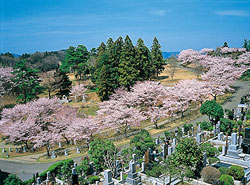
103,153
27,81
227,126
246,44
143,61
225,45
128,74
142,142
76,61
12,180
187,155
157,58
62,82
213,110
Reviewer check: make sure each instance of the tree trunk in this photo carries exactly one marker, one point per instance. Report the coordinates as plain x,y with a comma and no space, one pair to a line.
214,97
156,125
49,94
48,153
26,144
25,101
226,143
67,141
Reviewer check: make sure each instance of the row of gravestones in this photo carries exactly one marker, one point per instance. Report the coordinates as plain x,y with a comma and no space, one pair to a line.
66,153
18,150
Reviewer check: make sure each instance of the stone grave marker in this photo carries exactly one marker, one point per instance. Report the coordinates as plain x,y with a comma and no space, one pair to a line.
66,152
198,138
108,178
132,178
233,147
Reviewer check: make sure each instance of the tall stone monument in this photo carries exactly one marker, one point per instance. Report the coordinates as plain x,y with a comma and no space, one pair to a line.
132,178
233,150
108,178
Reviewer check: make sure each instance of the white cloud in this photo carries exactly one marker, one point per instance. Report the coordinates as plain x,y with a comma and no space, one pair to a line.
158,12
232,13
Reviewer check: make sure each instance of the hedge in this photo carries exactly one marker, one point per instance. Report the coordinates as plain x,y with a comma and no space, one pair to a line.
237,172
226,180
54,169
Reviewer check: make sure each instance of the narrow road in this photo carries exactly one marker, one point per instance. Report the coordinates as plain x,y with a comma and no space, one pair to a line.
25,171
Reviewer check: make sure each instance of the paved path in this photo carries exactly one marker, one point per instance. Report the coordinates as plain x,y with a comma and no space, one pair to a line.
25,171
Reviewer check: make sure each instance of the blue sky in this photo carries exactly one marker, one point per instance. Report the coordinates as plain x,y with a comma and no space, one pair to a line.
45,25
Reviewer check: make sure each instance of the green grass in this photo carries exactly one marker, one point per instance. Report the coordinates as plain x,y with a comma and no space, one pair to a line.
90,110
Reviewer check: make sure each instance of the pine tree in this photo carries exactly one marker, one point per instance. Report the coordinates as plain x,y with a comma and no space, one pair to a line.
27,82
225,45
62,82
127,66
157,58
143,61
246,44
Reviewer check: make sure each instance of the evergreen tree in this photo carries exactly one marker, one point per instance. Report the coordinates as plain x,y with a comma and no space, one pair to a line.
157,58
246,44
76,61
104,82
27,82
62,82
225,45
127,66
143,61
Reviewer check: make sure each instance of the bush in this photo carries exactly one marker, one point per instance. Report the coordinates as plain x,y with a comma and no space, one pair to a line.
212,160
237,172
210,174
209,149
54,169
220,148
92,179
206,126
224,170
12,180
226,180
189,173
155,171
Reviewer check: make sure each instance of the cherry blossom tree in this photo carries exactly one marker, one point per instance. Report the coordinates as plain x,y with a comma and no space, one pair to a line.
5,80
115,114
78,90
42,122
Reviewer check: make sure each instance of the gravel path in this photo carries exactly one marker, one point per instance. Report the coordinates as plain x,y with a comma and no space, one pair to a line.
26,170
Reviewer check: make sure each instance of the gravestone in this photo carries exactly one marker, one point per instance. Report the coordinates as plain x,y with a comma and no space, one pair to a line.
233,150
53,156
132,178
117,168
77,150
60,145
66,152
157,141
10,150
198,138
174,142
97,182
7,154
48,176
204,159
143,166
64,100
108,178
38,181
164,150
121,177
75,165
17,150
192,131
199,128
134,157
3,150
183,130
83,99
74,177
170,150
220,136
24,149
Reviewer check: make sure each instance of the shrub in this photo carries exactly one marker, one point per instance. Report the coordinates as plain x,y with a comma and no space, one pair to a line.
237,172
210,174
220,148
212,160
92,179
12,180
209,149
224,170
189,173
226,180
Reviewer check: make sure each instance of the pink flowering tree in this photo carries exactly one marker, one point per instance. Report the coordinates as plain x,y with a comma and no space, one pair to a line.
78,90
115,114
5,80
42,122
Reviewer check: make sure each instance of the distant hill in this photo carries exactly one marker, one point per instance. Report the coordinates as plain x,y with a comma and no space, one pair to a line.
15,55
169,54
